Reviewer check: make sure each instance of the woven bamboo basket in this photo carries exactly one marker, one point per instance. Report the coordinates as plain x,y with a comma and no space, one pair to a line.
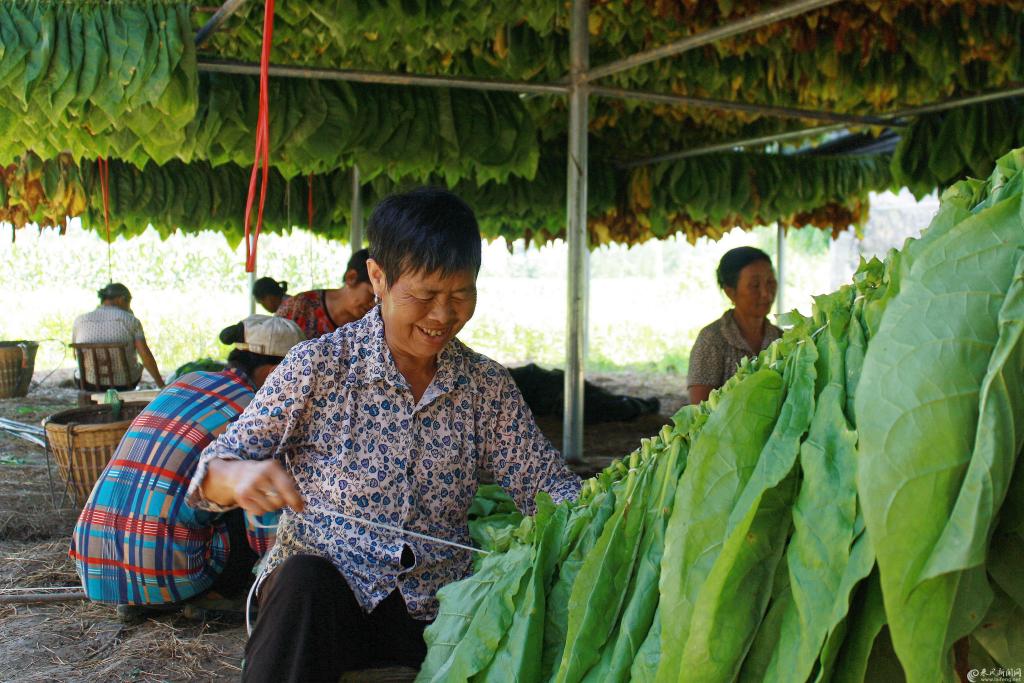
17,361
83,440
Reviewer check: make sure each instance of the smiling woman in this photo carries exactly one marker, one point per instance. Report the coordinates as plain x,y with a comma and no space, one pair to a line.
423,270
375,437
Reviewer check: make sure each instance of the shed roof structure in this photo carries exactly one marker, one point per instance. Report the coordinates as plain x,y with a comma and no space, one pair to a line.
664,116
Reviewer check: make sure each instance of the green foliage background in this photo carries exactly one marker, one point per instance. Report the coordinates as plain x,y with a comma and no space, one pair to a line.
647,302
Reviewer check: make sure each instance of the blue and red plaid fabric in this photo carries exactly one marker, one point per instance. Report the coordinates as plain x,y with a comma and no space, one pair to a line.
136,540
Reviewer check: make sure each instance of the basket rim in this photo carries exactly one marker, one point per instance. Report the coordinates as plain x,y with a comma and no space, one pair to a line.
49,423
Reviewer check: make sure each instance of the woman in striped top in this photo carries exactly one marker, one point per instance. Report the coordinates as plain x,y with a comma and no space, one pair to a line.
137,542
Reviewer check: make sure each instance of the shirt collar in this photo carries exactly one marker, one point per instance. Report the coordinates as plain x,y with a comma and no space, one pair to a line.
372,360
731,333
733,337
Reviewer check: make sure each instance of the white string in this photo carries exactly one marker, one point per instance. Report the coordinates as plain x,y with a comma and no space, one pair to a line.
398,530
248,602
393,529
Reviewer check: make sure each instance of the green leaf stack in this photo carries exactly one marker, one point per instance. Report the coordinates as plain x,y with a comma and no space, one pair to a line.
849,507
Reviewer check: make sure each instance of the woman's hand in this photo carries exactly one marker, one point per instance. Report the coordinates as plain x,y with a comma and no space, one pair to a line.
257,486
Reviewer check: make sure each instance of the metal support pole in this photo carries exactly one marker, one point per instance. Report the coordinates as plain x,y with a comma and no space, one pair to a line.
355,236
215,22
576,236
780,258
252,299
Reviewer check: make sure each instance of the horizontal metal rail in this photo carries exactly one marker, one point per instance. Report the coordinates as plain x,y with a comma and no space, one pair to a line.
894,119
215,22
727,105
251,69
769,16
1015,91
385,78
731,144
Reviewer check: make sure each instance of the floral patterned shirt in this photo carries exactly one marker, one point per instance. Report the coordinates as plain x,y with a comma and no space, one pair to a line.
341,419
720,347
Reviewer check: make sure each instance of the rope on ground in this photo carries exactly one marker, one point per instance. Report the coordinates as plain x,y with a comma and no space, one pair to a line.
41,594
30,598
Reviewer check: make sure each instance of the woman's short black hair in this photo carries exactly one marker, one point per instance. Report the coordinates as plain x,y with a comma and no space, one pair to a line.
736,260
358,263
268,286
426,230
247,361
113,291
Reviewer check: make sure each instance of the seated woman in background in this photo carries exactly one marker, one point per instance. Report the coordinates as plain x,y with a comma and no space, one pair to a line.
747,277
269,293
114,323
321,311
137,542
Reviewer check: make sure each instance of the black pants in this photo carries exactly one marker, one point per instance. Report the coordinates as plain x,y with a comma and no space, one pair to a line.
311,628
236,577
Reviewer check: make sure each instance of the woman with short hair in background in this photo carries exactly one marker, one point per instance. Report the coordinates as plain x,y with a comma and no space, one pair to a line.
390,420
746,276
137,543
322,311
269,293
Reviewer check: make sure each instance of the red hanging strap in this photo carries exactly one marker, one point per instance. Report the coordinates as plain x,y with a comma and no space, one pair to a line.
261,155
309,204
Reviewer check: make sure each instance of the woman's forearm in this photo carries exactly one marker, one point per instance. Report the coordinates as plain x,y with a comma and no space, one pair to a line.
699,393
149,362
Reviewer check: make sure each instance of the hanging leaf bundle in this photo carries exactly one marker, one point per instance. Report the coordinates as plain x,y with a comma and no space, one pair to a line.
861,56
320,126
701,196
939,149
316,127
198,197
857,57
45,193
96,78
472,37
724,190
848,507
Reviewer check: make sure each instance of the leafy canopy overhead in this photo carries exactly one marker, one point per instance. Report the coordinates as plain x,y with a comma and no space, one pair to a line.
122,80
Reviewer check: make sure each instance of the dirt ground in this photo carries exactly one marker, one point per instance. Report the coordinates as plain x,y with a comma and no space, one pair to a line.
80,641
